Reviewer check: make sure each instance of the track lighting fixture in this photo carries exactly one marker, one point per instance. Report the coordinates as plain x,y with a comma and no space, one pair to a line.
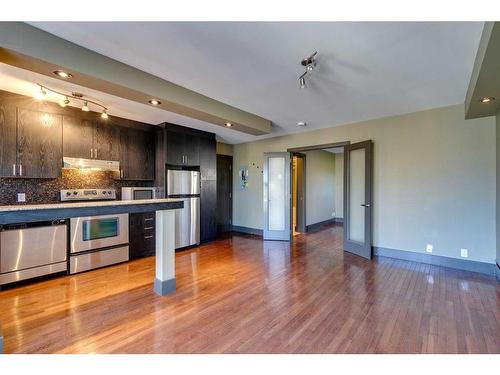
75,96
40,94
309,63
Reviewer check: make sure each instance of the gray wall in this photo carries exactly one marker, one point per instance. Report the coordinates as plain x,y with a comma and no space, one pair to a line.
434,180
339,185
498,188
320,186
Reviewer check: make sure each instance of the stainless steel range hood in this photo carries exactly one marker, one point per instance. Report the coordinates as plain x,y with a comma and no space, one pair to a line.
91,164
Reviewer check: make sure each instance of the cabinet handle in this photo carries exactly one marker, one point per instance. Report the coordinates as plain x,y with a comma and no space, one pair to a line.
20,169
13,169
91,153
148,228
149,219
147,237
96,153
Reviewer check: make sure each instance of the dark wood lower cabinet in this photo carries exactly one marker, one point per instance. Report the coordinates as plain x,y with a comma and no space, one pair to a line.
142,241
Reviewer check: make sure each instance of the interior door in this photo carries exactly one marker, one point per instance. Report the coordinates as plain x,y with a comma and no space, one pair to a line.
358,204
277,196
301,193
224,193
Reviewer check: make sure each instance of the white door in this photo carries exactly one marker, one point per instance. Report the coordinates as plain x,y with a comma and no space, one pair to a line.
277,196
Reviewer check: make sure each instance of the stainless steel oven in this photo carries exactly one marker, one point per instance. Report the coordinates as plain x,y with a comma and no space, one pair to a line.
96,232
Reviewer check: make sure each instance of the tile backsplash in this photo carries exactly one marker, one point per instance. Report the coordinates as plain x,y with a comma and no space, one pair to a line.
47,190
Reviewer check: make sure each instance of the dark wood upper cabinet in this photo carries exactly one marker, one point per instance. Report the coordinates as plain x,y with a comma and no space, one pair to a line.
106,140
137,154
182,148
208,161
39,144
8,147
78,137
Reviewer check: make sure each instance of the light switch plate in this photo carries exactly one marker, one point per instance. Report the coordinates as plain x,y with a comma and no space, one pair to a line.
429,248
21,197
464,253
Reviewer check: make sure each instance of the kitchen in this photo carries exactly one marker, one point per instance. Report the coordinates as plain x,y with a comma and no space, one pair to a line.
102,178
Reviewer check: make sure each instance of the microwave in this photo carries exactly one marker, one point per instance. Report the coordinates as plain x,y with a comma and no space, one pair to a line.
135,193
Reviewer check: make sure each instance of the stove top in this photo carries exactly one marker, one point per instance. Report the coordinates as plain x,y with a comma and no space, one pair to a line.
88,195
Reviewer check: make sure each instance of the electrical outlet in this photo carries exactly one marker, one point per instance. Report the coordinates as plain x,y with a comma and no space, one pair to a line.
429,248
464,253
21,197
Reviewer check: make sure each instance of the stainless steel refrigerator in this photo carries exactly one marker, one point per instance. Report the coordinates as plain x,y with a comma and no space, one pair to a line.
186,186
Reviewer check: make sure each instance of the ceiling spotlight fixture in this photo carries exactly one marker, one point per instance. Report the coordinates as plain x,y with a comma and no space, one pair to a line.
40,94
85,107
62,74
228,124
64,103
104,115
154,102
301,123
309,63
487,99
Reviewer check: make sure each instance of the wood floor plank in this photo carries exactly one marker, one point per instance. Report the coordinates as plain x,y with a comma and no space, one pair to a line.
240,294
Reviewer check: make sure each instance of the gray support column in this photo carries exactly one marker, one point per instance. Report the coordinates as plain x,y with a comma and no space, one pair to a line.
165,252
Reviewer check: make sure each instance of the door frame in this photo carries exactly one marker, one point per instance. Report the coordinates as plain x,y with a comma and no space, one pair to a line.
366,249
303,229
230,158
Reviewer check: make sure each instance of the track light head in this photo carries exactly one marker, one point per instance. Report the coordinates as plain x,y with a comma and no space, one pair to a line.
85,107
302,82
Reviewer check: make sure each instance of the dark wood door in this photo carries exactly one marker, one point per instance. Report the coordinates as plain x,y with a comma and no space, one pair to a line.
358,204
8,147
106,140
78,135
208,208
224,193
39,144
137,154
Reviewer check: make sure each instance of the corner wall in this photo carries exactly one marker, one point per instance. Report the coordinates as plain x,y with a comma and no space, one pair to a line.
434,180
498,188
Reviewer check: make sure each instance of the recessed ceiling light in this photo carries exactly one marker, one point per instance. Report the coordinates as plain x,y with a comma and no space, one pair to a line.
487,99
154,102
301,123
62,74
228,124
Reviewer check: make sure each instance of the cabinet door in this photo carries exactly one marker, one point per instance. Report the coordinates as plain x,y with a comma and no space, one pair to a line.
39,140
208,159
106,140
77,137
137,154
191,150
175,148
208,210
7,140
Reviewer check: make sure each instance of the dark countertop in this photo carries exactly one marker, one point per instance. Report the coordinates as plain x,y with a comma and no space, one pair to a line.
42,212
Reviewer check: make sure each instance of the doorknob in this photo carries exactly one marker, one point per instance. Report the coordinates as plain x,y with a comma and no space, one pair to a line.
365,205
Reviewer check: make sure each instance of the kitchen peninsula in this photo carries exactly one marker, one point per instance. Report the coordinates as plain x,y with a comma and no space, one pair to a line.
165,225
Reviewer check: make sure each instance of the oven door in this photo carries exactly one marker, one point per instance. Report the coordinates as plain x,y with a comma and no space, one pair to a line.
95,232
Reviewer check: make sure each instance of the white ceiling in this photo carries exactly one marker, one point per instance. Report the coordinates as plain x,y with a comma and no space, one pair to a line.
365,70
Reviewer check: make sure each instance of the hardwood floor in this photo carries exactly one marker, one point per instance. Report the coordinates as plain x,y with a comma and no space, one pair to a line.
243,295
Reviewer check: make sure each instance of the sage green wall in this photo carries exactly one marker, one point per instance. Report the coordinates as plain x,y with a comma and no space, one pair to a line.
434,180
320,186
498,189
339,185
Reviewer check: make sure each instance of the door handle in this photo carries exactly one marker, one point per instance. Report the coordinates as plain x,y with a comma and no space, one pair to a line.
365,204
